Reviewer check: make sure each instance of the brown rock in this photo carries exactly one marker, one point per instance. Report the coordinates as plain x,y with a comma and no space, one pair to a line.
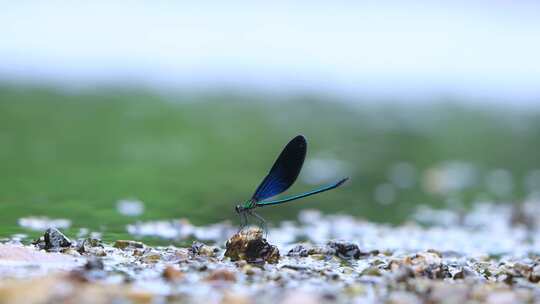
222,275
249,245
126,244
172,274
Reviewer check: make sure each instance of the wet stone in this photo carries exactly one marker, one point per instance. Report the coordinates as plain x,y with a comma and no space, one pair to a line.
126,244
172,274
93,270
89,245
198,248
333,272
346,250
459,273
70,251
250,270
94,263
534,276
371,271
341,249
249,245
151,257
403,274
437,271
300,250
259,250
222,275
53,240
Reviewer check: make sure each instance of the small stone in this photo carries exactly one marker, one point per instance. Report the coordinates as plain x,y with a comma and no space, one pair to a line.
300,250
347,270
240,263
296,267
354,289
534,276
259,250
461,273
427,258
222,275
371,271
53,240
151,257
523,269
126,244
39,243
89,245
94,263
250,270
435,252
341,249
317,256
172,274
178,255
346,250
427,264
70,251
100,252
403,274
199,248
249,245
92,271
323,251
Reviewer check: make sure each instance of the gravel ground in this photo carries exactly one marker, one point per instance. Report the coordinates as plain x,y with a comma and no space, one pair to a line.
486,256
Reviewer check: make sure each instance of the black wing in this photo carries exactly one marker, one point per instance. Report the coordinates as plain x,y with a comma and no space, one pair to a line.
284,171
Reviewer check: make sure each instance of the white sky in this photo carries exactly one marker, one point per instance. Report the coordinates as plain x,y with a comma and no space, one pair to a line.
405,49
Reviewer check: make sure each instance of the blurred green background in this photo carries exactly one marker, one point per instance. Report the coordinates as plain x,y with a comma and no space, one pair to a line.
75,155
182,108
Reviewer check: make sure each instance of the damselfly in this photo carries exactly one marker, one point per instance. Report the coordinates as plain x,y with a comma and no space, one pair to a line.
281,176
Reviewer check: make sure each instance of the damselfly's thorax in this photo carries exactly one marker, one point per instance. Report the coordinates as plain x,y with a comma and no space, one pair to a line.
241,208
238,209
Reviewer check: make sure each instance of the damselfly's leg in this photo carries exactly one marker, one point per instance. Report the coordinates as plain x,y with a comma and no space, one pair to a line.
261,221
243,221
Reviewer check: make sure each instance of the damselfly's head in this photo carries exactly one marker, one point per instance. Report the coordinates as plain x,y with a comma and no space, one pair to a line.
239,209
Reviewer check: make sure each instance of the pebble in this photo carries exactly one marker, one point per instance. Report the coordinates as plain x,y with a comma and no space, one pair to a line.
53,240
249,269
222,275
249,245
199,248
126,244
172,274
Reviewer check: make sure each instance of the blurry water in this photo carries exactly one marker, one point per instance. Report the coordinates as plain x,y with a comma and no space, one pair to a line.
406,49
